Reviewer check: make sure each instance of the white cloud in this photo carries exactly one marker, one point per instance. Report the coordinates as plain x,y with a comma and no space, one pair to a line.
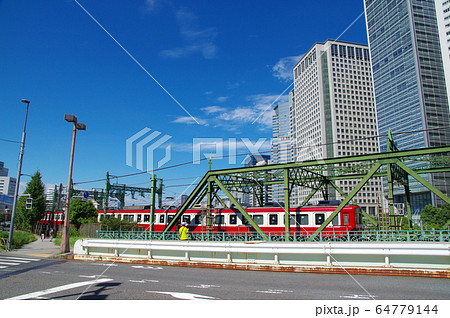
197,40
283,68
213,109
150,6
190,120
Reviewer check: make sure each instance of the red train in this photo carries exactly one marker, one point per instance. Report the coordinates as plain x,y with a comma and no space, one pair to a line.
269,219
53,218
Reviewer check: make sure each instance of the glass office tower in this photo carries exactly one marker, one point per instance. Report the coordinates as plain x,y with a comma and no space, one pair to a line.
409,83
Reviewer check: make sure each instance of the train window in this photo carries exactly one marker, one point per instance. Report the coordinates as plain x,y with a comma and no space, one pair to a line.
244,220
346,220
259,219
220,219
304,219
146,217
161,219
273,219
131,218
335,220
198,219
233,219
139,217
187,219
292,220
170,218
358,217
320,218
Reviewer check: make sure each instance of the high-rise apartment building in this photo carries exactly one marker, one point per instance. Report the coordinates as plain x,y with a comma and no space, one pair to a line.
7,184
259,196
3,170
333,113
443,19
409,82
281,142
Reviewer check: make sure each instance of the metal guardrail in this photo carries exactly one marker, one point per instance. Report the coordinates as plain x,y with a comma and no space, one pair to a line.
413,256
362,236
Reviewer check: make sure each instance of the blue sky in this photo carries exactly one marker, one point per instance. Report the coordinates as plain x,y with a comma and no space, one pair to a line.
123,66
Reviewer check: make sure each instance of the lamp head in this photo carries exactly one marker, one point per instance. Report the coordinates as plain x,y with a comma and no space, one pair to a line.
70,118
81,126
25,101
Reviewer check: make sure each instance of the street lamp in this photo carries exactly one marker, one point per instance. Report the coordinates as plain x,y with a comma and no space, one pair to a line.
65,245
19,171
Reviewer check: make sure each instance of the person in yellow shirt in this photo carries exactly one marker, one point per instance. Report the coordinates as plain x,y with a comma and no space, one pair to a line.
183,232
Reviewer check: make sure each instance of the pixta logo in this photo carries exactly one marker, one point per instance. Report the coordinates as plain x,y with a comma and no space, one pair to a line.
141,150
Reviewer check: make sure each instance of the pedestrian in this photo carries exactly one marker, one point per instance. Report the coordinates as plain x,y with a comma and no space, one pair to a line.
183,232
51,234
42,236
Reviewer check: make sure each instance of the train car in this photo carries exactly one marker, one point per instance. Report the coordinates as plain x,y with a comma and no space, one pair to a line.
305,219
52,218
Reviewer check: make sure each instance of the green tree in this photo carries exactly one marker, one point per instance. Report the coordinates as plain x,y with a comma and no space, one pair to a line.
433,217
116,224
27,219
82,212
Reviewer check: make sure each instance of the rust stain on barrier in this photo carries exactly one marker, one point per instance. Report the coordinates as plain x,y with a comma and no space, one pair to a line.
430,273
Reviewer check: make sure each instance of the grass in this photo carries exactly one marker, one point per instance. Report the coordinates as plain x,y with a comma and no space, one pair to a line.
20,238
72,240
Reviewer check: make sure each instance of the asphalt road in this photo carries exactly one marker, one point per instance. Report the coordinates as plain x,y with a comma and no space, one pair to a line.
56,279
30,274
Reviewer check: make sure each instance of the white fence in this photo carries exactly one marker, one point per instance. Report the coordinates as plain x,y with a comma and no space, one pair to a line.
393,255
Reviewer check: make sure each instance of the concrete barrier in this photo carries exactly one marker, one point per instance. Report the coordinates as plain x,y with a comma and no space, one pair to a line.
412,256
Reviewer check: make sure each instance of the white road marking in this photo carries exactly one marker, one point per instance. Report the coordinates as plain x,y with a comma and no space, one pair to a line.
84,276
3,266
104,264
58,289
146,267
144,281
184,296
13,260
201,286
9,263
359,296
274,291
21,258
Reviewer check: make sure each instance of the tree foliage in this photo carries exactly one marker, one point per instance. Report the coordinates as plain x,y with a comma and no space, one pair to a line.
116,224
437,218
82,212
27,219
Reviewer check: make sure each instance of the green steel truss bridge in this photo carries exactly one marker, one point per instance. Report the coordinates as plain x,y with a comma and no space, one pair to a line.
321,175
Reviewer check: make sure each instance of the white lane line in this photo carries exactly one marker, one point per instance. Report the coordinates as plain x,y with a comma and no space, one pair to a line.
21,258
202,286
184,296
9,263
13,260
3,266
359,296
58,289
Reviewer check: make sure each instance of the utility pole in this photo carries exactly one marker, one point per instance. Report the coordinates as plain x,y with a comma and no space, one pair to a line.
19,172
152,202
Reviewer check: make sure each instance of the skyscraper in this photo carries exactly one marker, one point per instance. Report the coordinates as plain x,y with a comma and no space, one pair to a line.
281,142
443,18
333,112
409,83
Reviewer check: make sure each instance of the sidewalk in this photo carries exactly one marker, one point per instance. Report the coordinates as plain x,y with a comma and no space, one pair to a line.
45,249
